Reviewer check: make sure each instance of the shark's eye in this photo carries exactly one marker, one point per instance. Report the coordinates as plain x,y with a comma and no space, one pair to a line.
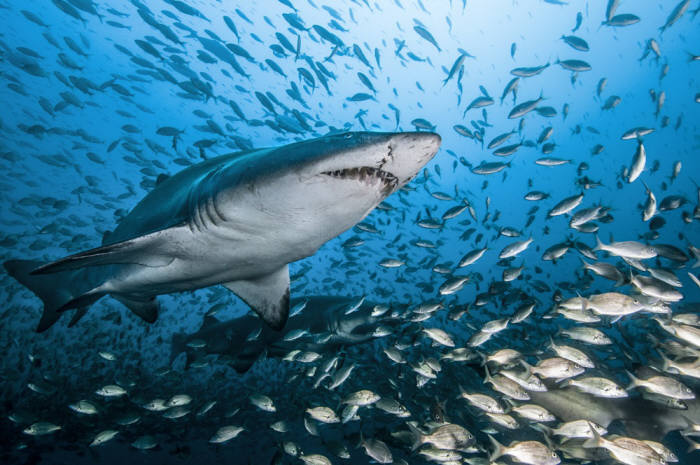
348,136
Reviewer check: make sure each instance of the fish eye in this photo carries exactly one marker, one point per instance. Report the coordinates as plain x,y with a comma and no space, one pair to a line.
348,136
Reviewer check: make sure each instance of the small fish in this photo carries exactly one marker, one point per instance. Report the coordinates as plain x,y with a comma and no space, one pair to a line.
226,433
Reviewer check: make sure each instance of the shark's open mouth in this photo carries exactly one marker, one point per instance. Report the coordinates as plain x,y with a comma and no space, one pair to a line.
366,173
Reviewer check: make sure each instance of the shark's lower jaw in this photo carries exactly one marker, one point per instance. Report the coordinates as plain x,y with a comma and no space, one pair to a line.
367,173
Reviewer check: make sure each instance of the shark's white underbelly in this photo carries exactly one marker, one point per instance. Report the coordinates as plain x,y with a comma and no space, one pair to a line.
202,258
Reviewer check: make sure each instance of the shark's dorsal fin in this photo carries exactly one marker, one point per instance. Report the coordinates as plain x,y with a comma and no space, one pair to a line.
267,295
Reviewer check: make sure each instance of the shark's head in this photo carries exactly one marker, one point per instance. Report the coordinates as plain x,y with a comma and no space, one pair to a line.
303,194
380,161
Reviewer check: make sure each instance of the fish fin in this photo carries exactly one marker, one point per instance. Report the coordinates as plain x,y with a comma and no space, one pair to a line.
692,445
105,236
595,441
598,245
84,300
190,358
634,381
177,346
209,320
267,295
510,404
162,177
544,429
57,291
499,449
566,382
146,308
584,263
461,391
241,365
142,250
78,315
417,436
487,377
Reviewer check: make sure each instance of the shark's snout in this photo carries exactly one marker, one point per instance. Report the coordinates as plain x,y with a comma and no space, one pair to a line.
409,152
385,160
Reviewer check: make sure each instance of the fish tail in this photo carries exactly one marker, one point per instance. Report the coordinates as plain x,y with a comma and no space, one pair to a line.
598,245
510,404
692,445
177,346
634,381
418,436
584,263
59,291
594,442
528,368
461,391
487,377
665,361
544,429
499,449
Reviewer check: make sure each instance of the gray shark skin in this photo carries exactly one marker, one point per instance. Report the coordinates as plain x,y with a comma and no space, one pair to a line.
237,220
642,418
323,316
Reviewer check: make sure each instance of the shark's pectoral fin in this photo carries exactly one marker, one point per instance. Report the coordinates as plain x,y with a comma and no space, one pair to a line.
146,308
267,295
142,250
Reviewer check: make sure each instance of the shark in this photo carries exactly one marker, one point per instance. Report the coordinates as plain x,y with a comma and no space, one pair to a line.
236,220
323,325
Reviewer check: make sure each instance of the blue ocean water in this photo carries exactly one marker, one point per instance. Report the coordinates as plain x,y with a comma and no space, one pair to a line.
103,99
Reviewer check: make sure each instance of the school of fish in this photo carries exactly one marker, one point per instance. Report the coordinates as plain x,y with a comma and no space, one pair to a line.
530,295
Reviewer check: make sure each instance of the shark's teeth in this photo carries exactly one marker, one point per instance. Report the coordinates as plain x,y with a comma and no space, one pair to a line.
365,172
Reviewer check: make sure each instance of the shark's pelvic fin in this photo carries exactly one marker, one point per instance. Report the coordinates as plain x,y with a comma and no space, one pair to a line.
267,295
142,250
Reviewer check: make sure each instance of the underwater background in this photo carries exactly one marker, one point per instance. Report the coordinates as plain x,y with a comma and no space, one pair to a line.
102,98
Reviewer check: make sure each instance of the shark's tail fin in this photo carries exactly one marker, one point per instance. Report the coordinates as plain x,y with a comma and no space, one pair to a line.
59,291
